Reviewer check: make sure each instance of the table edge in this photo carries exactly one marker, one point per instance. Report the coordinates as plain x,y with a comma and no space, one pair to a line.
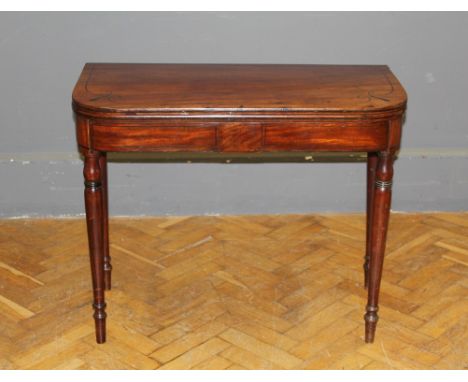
229,113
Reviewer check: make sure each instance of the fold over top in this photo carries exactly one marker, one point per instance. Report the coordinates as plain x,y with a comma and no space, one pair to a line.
151,89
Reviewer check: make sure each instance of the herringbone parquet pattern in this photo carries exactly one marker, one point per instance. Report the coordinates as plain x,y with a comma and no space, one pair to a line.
255,292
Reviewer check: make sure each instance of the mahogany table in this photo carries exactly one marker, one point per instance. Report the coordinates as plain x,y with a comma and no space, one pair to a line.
238,109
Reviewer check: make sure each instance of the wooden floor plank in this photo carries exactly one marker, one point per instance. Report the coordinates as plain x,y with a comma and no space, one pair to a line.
235,292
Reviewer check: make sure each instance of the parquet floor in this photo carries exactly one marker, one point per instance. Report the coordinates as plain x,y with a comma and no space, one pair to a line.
237,292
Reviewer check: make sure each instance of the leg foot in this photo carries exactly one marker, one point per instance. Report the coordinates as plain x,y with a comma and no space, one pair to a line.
100,322
371,317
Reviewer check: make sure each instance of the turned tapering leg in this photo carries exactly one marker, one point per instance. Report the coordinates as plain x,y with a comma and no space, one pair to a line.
105,222
371,166
94,209
380,214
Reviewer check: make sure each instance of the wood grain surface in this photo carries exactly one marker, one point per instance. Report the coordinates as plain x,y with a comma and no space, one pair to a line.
235,292
237,88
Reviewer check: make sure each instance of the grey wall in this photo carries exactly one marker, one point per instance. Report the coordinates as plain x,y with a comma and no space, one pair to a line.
41,56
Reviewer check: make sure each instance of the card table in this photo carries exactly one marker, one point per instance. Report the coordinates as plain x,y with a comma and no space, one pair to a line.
238,108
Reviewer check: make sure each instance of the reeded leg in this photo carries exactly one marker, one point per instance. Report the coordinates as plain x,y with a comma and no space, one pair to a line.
105,223
371,166
93,202
380,215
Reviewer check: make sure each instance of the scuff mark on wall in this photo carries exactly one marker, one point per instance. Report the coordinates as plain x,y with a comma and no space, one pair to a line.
430,78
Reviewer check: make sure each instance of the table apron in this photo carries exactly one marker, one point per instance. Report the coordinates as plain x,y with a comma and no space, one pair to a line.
209,136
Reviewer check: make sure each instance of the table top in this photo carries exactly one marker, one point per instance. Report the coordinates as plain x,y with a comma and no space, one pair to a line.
236,88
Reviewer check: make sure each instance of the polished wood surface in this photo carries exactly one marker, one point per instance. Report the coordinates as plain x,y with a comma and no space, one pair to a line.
380,211
95,222
371,168
222,108
105,220
225,292
211,88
